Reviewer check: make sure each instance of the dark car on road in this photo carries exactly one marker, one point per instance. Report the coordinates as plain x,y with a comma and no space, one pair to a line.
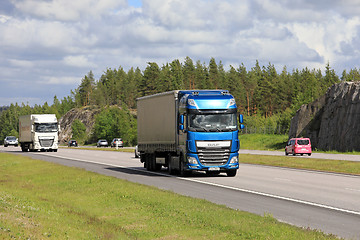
72,143
118,142
102,143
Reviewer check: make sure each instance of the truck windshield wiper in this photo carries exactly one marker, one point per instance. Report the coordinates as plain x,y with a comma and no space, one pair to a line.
198,129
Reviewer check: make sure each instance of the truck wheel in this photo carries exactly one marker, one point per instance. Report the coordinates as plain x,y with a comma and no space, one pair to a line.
150,162
171,171
158,167
147,162
183,172
231,173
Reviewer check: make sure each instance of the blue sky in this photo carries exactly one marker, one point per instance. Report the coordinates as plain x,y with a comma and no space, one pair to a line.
135,3
48,46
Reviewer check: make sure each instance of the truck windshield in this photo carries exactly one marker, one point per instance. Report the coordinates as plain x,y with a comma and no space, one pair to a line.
46,127
212,122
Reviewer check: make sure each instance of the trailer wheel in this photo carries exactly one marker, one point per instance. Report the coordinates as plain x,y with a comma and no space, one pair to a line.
148,162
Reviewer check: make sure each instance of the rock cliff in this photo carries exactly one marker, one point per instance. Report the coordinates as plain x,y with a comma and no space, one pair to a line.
333,121
86,115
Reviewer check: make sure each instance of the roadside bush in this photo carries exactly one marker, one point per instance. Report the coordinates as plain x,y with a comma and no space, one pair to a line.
114,122
78,130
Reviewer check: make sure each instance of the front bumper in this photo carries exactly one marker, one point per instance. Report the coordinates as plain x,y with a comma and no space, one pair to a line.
193,163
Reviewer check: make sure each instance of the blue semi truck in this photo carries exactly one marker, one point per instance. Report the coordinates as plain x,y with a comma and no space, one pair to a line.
189,130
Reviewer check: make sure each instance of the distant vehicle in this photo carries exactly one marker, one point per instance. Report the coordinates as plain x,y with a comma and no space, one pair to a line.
11,140
72,143
117,141
102,143
298,146
137,153
39,132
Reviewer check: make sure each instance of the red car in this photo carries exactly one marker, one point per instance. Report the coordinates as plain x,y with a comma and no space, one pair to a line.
298,146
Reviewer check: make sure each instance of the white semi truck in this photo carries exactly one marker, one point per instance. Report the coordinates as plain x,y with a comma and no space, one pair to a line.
38,132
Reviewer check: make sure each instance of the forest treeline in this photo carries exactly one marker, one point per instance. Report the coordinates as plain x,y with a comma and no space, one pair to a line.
264,96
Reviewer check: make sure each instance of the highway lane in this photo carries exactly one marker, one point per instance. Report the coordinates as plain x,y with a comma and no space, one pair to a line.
345,157
329,202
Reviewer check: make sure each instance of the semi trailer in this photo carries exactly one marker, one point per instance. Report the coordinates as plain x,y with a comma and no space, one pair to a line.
189,130
38,132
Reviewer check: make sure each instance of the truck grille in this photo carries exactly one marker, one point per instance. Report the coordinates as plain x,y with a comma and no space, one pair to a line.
213,156
46,142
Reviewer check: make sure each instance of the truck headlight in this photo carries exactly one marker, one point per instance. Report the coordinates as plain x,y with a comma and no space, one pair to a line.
192,160
234,160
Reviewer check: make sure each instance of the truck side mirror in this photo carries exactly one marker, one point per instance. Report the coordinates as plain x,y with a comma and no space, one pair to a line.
181,122
241,118
242,126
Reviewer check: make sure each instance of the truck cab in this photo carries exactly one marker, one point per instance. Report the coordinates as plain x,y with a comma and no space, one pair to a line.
209,135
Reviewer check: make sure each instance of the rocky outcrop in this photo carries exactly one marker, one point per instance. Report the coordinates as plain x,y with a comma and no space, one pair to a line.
333,121
86,115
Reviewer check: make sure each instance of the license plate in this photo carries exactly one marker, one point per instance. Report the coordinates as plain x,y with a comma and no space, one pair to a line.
304,149
214,169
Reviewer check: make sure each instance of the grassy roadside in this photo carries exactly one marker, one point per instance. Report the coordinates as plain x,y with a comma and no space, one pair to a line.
103,149
278,142
273,142
41,200
263,141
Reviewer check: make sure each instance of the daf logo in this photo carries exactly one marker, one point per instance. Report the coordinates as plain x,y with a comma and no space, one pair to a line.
213,144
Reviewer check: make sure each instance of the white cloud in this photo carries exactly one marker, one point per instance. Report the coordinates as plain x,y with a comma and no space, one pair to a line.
78,61
51,41
67,10
4,18
55,80
21,63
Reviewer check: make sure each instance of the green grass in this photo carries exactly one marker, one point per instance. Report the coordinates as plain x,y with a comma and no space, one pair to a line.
273,142
104,149
263,141
41,200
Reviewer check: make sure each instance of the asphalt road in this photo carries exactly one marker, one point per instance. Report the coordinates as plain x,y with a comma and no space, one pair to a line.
345,157
316,200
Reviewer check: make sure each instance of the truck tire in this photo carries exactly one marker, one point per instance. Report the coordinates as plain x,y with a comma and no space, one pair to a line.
24,147
151,162
231,173
171,171
158,167
147,162
183,172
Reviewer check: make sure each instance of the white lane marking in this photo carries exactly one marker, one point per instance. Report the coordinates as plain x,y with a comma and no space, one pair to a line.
222,186
353,190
